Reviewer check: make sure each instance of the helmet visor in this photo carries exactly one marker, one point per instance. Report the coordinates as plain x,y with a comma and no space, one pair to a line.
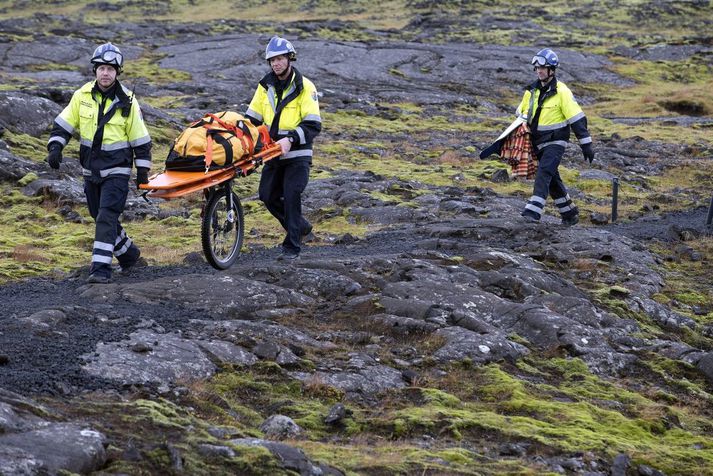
539,60
109,57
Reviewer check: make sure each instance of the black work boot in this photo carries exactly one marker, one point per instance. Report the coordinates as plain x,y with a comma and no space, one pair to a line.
96,278
288,255
571,218
530,216
99,273
129,260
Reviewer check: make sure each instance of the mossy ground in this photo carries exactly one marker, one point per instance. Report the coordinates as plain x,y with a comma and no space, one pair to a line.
454,424
687,280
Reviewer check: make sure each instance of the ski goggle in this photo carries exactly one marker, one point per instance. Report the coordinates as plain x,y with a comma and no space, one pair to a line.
539,60
109,57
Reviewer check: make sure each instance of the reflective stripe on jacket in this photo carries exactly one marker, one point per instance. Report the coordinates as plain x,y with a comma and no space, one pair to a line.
298,110
123,137
558,112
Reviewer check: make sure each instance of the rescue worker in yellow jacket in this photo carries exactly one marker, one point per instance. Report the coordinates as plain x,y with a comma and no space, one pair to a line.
286,102
550,109
113,137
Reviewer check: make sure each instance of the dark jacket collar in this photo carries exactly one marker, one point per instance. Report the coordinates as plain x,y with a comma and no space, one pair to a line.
551,86
271,79
109,93
116,92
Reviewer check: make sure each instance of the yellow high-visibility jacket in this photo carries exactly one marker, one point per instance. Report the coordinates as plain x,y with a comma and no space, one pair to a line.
298,111
551,112
122,141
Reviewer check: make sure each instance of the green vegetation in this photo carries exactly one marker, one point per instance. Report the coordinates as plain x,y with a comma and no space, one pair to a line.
687,287
35,239
148,68
567,410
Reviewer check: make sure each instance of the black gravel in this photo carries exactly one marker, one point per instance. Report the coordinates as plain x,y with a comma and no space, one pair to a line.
49,362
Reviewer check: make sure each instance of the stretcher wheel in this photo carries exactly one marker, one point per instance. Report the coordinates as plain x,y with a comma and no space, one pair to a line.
222,228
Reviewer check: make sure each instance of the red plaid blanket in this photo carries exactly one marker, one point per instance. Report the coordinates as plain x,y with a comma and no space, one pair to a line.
517,151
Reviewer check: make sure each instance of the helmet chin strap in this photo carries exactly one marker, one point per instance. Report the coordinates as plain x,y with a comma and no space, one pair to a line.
550,75
287,72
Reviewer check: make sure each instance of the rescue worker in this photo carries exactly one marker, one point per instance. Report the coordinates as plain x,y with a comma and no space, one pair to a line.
550,109
113,137
286,102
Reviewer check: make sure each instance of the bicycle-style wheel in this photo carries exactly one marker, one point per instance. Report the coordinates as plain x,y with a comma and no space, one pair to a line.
222,228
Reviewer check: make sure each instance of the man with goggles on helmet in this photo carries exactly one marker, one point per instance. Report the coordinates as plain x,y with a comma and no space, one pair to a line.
550,109
287,103
113,138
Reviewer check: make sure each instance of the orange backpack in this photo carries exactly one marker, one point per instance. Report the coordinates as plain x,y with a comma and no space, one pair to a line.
215,141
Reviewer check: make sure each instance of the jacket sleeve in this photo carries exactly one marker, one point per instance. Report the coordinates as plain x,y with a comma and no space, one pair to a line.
254,112
65,124
575,117
139,138
522,109
311,124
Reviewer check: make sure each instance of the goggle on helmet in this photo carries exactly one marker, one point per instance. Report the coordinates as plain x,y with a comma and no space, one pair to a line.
545,57
108,54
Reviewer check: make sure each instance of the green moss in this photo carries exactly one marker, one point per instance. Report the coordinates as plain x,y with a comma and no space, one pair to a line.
34,240
515,409
148,69
43,65
686,283
165,102
438,397
27,179
161,413
341,225
663,88
398,120
158,428
26,146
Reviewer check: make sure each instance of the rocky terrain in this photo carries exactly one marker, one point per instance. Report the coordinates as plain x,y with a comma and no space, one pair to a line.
425,329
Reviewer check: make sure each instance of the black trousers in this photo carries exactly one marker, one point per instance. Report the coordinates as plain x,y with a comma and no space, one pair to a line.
106,199
281,185
549,182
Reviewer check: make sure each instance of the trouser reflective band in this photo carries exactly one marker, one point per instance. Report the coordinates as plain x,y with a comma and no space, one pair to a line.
564,204
123,242
536,205
102,252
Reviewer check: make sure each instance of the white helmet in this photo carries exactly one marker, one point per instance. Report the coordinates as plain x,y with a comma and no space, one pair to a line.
108,54
280,46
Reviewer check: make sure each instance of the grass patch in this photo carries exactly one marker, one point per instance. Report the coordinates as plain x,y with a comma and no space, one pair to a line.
147,68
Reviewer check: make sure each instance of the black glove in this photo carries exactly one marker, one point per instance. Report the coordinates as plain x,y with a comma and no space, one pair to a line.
588,151
142,176
54,158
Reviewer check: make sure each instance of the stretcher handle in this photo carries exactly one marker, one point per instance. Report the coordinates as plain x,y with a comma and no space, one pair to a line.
258,159
273,151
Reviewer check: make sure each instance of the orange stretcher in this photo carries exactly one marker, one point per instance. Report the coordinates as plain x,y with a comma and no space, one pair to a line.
173,184
222,222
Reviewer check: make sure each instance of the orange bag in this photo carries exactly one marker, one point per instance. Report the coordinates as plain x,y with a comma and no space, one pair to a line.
214,141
